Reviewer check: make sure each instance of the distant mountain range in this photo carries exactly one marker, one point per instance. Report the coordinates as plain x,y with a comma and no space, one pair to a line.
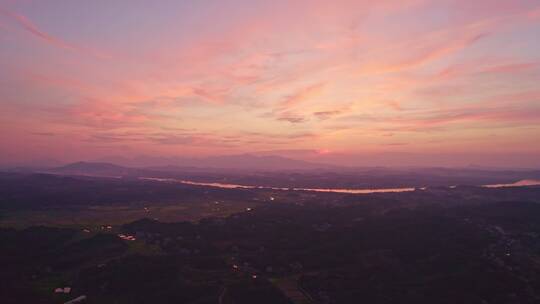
233,162
279,171
247,163
93,169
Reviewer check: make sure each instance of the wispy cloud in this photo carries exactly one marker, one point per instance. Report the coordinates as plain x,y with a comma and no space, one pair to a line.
26,24
291,117
425,55
302,95
323,115
479,68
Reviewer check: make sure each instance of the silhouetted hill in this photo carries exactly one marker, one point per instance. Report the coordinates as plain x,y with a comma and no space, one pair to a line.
251,162
241,162
93,169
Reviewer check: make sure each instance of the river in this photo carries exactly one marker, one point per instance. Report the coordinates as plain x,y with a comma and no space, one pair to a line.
521,183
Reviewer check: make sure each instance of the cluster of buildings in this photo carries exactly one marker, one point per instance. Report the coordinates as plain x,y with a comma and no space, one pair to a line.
126,237
62,290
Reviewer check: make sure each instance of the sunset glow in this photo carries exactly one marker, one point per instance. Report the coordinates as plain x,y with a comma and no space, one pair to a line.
409,82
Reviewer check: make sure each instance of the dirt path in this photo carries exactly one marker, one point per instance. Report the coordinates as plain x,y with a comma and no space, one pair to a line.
222,295
289,286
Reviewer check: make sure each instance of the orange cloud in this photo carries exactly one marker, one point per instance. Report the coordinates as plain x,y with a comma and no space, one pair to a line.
291,117
323,115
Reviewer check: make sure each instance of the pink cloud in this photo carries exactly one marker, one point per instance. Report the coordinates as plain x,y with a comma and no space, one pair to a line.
305,94
534,14
424,121
394,104
458,70
429,54
511,68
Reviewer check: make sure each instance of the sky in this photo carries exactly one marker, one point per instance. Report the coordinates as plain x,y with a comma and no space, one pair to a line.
364,82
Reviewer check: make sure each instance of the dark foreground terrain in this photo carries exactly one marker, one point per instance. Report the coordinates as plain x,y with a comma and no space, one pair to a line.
172,243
